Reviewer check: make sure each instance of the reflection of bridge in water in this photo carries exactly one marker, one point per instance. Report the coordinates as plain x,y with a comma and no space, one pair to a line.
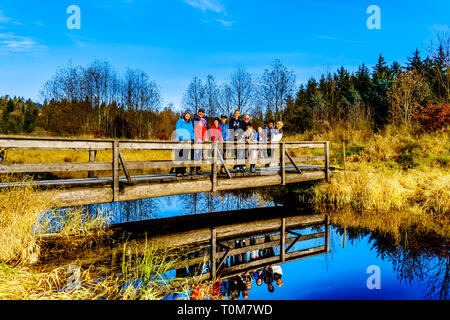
312,165
273,241
277,235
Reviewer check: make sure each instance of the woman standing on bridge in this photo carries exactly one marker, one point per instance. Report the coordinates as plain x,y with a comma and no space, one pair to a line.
184,132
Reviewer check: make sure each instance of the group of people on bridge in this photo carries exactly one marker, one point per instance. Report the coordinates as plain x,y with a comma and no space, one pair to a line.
195,129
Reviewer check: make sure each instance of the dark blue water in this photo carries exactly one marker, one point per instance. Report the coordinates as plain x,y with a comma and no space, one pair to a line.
179,205
349,274
343,274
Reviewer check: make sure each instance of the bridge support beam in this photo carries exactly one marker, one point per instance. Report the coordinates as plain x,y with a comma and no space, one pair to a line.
116,170
327,160
104,194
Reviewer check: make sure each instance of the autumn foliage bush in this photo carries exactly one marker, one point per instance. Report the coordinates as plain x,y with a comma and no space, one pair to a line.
433,117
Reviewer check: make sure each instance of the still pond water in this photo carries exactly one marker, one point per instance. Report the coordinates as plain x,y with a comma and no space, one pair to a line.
369,266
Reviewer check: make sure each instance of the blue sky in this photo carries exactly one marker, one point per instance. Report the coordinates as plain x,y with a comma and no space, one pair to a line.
175,40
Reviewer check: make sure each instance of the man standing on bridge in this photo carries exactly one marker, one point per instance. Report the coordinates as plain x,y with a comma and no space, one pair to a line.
236,130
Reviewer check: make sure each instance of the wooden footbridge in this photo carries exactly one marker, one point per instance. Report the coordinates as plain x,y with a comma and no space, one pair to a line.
121,186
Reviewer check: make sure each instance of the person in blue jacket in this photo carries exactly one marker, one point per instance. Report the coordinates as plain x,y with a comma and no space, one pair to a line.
184,132
225,127
226,135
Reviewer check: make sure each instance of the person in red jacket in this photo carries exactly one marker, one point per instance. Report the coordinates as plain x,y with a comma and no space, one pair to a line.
201,135
216,131
216,135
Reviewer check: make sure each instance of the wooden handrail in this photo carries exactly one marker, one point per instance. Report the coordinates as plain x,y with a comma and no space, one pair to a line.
119,162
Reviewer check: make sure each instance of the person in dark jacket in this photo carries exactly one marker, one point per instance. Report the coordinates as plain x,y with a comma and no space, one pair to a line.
246,125
269,129
241,257
269,278
246,122
236,123
236,127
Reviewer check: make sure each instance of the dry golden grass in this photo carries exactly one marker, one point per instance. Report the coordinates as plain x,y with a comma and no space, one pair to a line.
20,210
24,217
142,277
396,178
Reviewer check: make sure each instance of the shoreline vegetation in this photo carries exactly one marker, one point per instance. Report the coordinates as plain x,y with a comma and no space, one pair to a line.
395,178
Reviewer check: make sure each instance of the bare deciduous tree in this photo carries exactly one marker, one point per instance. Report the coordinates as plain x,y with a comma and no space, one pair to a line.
193,98
226,104
242,89
276,86
211,97
408,91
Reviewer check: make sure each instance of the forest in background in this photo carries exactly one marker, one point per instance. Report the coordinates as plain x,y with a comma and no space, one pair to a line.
95,100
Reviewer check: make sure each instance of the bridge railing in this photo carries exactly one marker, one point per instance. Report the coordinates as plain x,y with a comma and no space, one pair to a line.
210,154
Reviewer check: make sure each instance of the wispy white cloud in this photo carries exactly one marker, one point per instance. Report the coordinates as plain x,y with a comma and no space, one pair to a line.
80,41
3,18
225,23
12,43
212,7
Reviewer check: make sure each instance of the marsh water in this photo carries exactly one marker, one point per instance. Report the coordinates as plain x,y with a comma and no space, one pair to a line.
360,264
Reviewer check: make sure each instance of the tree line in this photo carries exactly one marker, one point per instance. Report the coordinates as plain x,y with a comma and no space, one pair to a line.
387,94
96,100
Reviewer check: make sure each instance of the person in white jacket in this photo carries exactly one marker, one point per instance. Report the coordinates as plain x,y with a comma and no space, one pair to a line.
277,274
276,136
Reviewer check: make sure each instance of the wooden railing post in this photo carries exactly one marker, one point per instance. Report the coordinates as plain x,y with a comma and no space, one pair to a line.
283,163
92,154
213,253
283,240
249,159
116,170
343,154
327,161
327,233
214,166
343,243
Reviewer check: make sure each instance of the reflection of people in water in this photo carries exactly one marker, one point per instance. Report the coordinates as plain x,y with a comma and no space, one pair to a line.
181,273
254,255
259,275
277,274
240,284
241,257
224,287
195,269
180,296
219,289
236,285
249,276
200,292
267,252
268,278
